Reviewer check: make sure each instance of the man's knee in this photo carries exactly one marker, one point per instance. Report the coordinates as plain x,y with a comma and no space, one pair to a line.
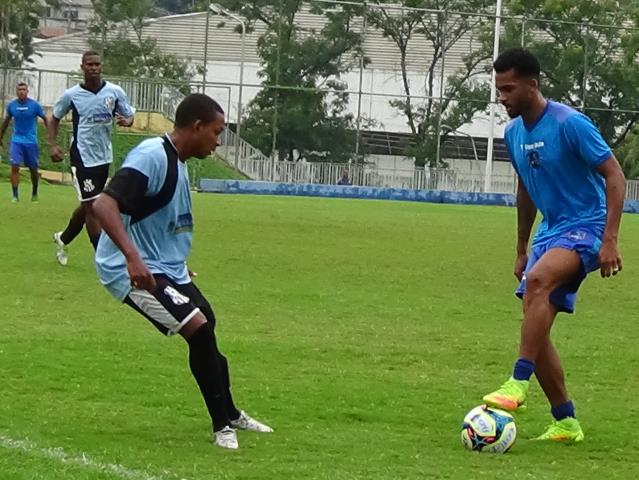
537,286
193,326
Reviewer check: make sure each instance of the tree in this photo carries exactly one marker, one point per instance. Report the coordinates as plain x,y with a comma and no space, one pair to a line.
589,60
441,30
19,20
138,57
628,155
301,109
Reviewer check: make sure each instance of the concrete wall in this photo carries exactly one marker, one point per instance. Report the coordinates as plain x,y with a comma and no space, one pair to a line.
372,193
338,191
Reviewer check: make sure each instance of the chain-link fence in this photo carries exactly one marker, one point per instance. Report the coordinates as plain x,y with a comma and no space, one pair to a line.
414,90
147,95
154,100
419,87
424,76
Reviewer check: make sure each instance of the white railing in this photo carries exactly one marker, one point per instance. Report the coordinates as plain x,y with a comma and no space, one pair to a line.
171,98
371,176
237,151
264,169
46,86
632,190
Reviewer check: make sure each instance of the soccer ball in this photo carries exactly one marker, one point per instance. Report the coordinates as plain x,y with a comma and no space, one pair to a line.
487,429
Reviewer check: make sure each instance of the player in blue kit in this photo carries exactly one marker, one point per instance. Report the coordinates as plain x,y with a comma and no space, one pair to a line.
146,216
94,104
23,149
567,172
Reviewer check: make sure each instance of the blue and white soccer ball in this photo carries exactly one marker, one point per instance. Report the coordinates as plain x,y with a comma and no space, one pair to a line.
487,429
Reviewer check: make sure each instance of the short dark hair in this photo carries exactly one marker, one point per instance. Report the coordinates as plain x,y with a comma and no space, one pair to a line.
89,53
521,60
196,106
22,84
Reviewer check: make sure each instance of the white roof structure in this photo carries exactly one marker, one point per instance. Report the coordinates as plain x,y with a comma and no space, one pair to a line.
184,36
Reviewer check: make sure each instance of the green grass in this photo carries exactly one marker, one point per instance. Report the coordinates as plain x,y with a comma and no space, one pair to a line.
363,331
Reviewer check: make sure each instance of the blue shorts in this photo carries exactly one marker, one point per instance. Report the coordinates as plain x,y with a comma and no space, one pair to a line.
24,154
580,240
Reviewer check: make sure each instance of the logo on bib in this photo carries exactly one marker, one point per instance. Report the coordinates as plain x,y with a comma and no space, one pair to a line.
176,297
88,186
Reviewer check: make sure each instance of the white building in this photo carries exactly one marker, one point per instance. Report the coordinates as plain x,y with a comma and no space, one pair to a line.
185,36
70,16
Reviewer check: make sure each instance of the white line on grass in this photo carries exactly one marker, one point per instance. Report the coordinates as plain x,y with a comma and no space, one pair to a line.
82,461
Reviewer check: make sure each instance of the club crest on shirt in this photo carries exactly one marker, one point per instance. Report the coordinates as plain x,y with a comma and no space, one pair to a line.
109,103
532,153
533,158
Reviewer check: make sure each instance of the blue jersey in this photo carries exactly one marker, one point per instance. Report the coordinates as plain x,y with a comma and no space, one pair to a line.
556,159
25,115
163,238
93,114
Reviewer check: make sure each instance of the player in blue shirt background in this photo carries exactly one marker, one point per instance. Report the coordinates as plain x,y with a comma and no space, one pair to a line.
567,172
23,149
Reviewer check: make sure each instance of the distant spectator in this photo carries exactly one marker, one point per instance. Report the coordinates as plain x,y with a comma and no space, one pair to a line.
344,180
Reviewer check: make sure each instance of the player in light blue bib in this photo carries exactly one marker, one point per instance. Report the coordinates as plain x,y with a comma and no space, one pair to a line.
141,258
568,173
95,104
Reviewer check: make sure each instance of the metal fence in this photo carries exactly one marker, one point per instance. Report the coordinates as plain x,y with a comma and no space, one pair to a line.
163,99
430,75
418,67
423,70
369,175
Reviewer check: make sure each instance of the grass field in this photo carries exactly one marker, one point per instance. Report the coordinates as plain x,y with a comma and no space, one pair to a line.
363,331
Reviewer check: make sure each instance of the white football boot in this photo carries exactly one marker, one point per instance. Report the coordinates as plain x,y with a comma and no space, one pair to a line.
226,438
247,423
60,249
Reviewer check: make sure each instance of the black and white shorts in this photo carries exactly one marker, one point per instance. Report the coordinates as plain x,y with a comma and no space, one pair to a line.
89,181
170,306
